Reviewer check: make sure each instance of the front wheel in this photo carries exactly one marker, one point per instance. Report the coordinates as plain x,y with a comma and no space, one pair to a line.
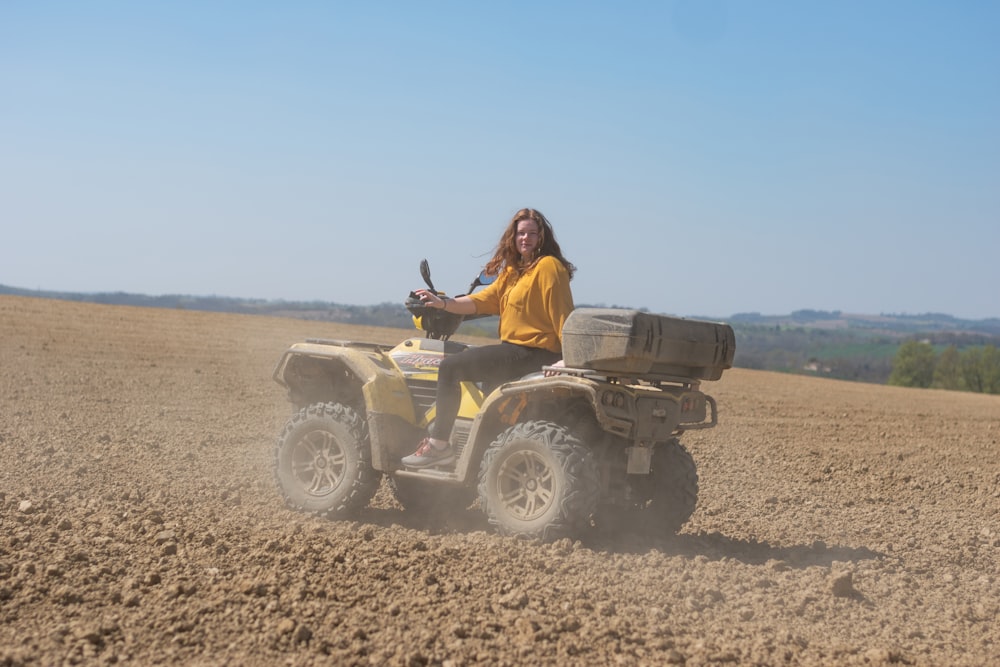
538,481
322,461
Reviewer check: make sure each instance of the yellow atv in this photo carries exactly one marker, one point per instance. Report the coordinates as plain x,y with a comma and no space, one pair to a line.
595,444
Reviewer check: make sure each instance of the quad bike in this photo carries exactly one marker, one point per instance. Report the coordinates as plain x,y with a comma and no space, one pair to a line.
549,455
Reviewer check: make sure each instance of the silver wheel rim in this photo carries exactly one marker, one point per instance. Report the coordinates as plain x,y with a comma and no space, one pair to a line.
318,463
526,485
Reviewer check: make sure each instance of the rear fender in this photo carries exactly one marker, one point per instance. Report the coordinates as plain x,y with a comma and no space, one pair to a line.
502,408
635,414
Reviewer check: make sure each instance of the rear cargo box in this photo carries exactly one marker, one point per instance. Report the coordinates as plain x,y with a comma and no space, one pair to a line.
634,343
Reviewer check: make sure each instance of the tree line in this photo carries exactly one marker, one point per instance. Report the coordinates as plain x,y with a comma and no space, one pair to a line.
854,355
919,364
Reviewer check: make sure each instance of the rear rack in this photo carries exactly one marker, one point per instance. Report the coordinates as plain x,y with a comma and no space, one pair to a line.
654,379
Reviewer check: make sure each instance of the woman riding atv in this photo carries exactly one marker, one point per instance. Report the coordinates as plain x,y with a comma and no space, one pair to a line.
533,299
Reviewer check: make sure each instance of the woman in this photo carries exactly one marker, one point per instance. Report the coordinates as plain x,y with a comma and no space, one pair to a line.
532,297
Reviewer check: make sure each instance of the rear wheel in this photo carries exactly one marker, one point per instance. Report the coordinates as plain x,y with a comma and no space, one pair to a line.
322,461
675,488
538,481
663,500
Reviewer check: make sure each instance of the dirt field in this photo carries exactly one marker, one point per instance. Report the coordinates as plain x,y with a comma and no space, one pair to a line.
838,523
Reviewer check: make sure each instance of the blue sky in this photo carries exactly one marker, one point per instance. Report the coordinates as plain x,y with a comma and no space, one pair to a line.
698,158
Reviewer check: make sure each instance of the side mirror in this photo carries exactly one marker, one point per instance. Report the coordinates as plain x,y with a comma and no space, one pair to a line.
482,279
425,273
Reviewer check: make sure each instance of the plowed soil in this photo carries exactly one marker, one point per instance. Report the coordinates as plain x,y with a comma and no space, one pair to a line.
837,523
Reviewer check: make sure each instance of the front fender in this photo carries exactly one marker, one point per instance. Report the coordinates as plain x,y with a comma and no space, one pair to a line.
356,357
383,391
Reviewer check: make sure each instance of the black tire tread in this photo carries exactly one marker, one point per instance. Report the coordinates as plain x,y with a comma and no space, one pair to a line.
353,494
576,464
675,495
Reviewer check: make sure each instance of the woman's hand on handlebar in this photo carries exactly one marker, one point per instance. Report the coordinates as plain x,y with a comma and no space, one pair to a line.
459,305
429,298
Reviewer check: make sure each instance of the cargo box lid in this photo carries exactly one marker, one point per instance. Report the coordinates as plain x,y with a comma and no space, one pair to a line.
633,342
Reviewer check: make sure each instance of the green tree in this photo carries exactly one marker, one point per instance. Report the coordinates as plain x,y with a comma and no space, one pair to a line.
981,369
991,360
913,365
948,370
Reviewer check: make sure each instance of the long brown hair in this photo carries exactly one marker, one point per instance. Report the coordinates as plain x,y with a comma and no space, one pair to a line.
506,253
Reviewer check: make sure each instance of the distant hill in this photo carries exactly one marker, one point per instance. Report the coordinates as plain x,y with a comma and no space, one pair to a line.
886,323
832,344
381,315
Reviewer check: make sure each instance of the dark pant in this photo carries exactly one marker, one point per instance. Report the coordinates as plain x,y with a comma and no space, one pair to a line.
490,364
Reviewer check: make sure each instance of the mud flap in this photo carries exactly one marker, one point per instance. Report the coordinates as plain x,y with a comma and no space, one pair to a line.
640,459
